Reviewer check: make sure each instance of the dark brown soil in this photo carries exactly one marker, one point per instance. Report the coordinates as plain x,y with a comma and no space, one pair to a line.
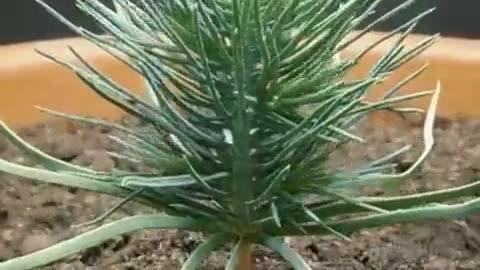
34,216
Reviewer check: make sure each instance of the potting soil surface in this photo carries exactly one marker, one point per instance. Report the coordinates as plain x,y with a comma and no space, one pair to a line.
34,216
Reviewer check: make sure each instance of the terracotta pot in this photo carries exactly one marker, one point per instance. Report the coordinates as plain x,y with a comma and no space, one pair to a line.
453,62
28,79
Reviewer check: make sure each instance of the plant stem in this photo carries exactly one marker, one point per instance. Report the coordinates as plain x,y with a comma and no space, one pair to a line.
245,258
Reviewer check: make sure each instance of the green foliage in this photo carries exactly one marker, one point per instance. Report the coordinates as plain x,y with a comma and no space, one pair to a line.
246,101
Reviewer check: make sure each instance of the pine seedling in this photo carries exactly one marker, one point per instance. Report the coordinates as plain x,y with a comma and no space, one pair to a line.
246,100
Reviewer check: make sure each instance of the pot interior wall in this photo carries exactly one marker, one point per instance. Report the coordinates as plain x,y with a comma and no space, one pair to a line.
28,80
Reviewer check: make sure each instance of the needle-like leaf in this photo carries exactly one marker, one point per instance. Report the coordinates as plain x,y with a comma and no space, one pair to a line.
97,236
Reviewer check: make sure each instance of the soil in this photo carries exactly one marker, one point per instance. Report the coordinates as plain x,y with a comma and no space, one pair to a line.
33,216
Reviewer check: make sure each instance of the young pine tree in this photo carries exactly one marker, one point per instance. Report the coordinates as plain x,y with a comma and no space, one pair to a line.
246,100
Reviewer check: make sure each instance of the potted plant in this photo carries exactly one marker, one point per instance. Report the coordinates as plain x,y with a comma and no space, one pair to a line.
247,100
